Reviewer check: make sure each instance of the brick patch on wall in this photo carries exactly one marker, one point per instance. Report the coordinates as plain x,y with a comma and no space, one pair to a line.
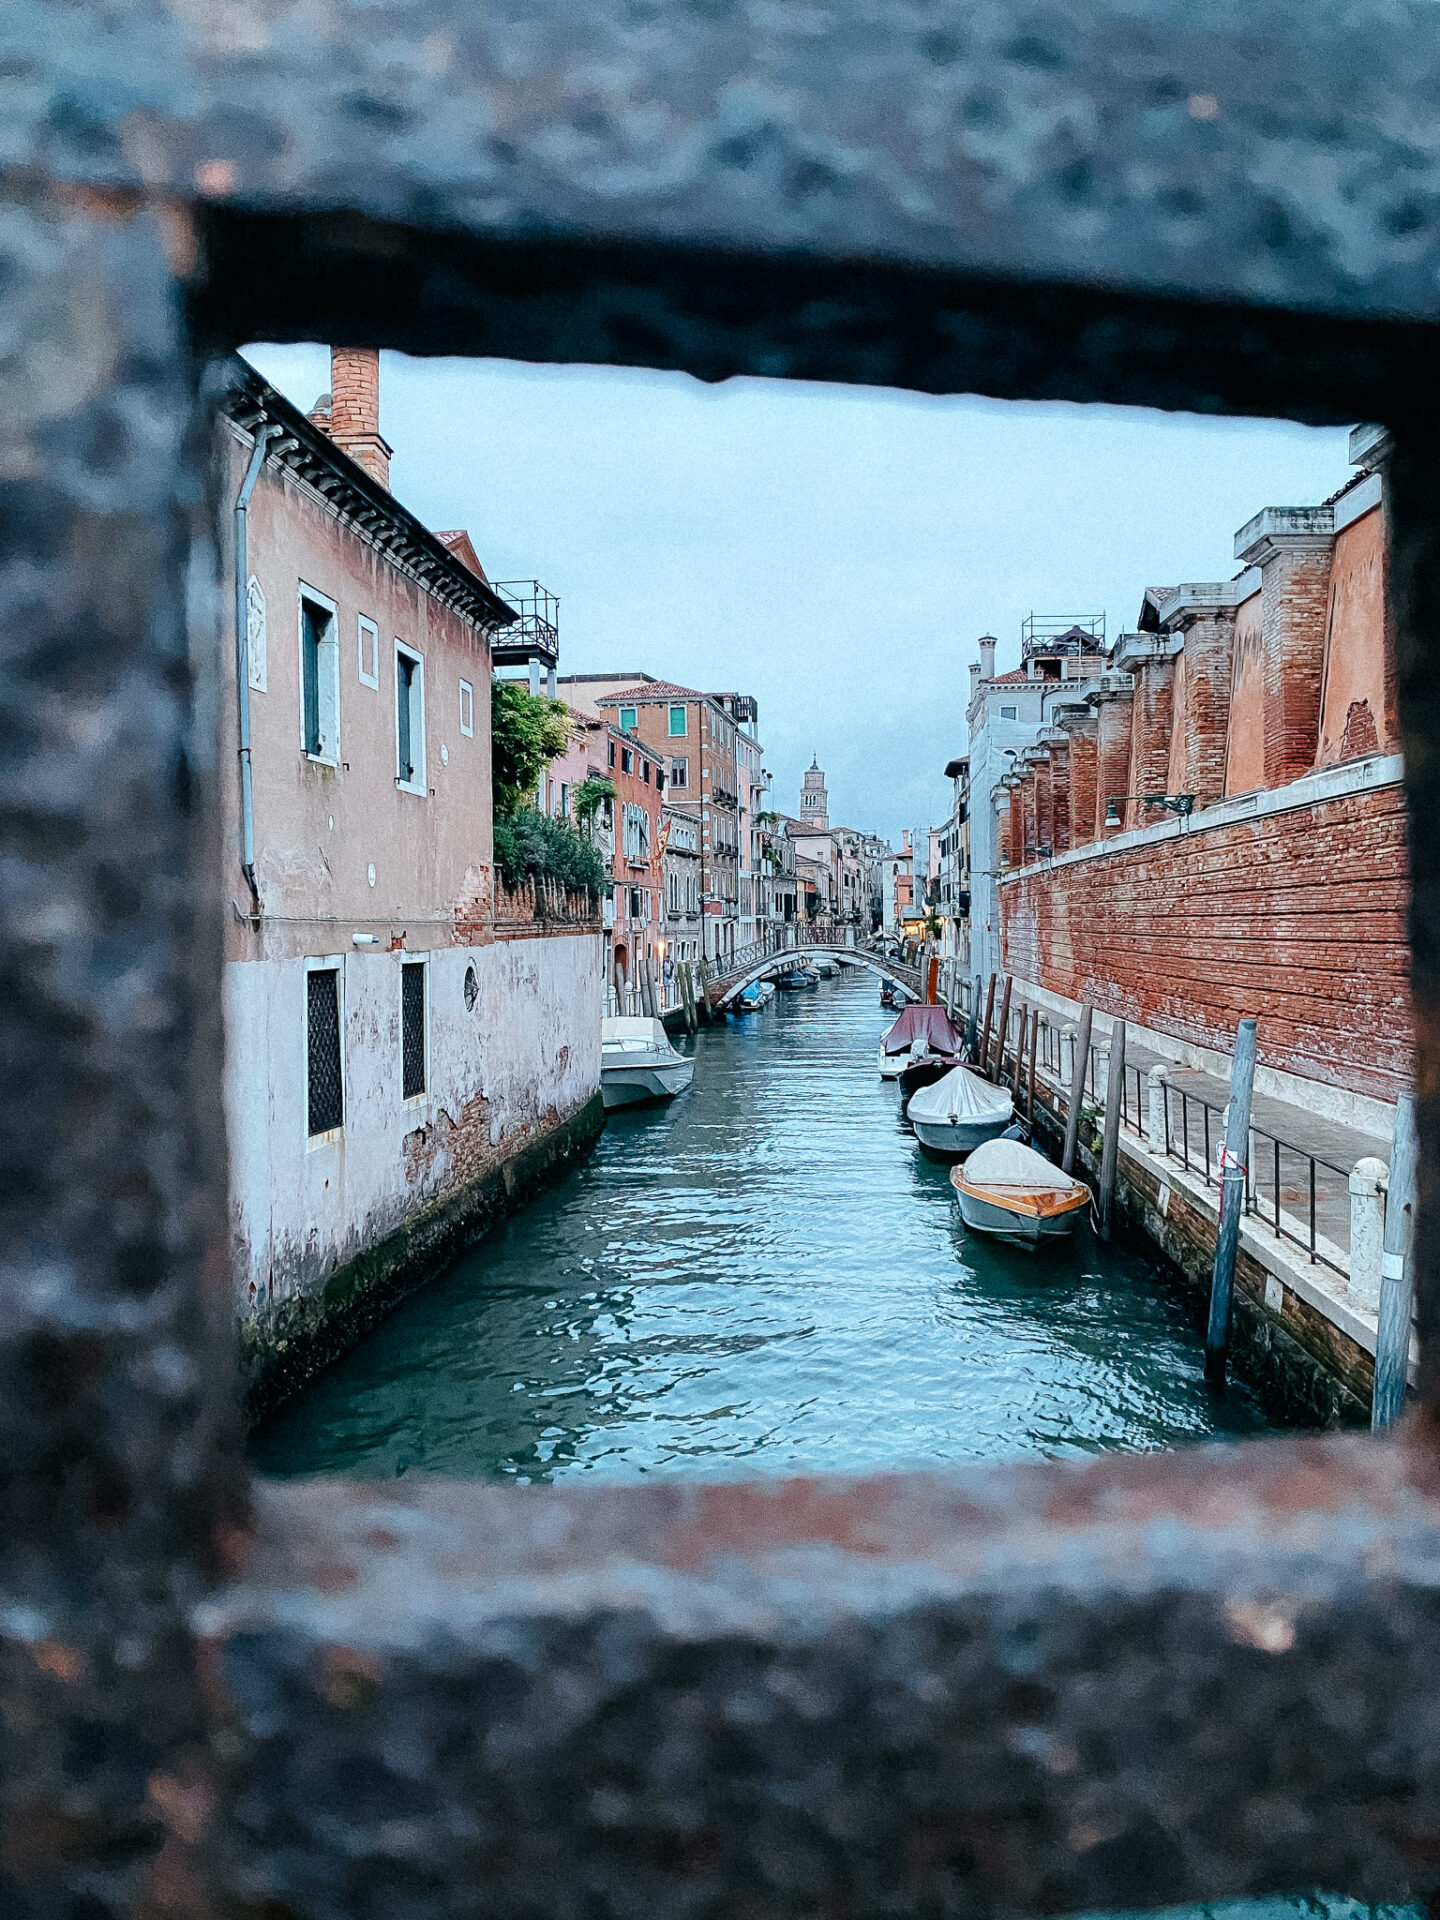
1298,918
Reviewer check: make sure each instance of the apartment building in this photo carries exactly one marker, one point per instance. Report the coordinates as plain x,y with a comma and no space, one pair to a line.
402,1041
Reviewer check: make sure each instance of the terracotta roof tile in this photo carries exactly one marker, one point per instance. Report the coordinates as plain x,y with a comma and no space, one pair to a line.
652,690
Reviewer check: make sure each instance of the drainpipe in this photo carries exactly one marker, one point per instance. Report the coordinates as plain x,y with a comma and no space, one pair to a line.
263,437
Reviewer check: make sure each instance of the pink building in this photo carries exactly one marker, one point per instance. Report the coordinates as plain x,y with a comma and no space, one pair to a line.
406,1042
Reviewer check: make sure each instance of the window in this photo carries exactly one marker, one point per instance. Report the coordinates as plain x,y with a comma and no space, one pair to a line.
612,753
677,723
627,760
674,893
467,709
319,679
324,1071
634,903
256,641
637,833
1007,713
627,719
409,720
645,771
412,1029
369,654
680,773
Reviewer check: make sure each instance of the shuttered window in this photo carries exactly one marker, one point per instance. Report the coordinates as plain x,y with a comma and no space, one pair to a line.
412,1028
325,1092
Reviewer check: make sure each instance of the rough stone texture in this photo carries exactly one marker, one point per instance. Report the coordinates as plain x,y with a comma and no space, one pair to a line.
1189,934
117,1483
1014,1691
1103,1686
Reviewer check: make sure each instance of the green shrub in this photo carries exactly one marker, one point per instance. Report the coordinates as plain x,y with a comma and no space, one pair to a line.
527,732
531,846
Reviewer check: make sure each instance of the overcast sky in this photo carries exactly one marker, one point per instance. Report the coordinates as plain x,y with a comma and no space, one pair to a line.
834,551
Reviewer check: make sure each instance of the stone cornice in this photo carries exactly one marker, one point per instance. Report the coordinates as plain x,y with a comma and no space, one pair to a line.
1197,598
1284,529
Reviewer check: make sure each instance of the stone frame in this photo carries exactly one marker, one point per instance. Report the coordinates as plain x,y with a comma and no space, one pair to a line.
1023,1690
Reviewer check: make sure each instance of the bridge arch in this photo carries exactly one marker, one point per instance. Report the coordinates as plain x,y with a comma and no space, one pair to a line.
898,974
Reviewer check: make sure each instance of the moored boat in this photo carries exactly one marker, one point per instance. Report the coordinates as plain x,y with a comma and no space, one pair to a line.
638,1063
916,1021
958,1113
797,980
1016,1194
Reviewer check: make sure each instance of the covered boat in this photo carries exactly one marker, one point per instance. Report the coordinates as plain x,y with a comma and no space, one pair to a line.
1015,1193
959,1113
797,979
637,1062
916,1021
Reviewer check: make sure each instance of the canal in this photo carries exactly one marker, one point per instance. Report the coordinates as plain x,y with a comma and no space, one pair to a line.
768,1275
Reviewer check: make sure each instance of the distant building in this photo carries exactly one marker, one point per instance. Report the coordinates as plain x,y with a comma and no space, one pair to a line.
814,800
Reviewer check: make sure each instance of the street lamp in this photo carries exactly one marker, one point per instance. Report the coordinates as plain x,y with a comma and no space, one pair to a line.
1182,804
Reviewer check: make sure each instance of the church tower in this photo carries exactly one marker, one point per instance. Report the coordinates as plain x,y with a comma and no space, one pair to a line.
814,801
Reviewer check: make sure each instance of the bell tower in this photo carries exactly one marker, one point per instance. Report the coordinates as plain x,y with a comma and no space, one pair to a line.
814,800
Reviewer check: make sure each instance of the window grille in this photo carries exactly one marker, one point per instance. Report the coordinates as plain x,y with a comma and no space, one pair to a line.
412,1028
324,1072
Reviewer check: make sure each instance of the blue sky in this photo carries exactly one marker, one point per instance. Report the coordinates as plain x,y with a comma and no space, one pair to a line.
836,551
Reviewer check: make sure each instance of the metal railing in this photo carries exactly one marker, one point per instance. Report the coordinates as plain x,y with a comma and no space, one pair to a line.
1192,1136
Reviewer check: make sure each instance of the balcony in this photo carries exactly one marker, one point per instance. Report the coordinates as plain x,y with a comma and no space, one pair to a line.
535,632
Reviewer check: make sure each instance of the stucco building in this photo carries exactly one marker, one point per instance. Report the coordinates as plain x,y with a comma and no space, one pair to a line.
404,1038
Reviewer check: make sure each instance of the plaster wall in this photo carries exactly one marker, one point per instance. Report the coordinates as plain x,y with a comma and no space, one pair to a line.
321,829
1245,742
1357,706
499,1076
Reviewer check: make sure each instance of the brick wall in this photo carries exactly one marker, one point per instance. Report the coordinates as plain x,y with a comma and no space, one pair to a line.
1149,737
1295,600
1297,918
1060,794
1082,782
1112,755
1203,722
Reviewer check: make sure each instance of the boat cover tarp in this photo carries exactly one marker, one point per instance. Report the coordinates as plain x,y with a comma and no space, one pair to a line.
1005,1163
961,1095
917,1021
632,1027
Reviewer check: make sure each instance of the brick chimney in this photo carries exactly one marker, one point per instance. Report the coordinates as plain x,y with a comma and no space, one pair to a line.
354,423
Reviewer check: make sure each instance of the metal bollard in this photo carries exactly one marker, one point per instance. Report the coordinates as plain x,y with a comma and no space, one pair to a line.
1157,1089
1368,1179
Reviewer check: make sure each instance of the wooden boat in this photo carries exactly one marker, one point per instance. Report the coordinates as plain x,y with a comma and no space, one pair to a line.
797,980
1016,1194
959,1113
638,1063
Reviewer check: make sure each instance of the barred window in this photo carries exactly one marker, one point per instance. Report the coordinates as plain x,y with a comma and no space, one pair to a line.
412,1028
325,1095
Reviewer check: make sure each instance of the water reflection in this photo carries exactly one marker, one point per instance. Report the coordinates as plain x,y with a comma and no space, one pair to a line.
766,1275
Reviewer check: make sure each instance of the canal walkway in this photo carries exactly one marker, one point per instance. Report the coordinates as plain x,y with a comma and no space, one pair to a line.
767,1275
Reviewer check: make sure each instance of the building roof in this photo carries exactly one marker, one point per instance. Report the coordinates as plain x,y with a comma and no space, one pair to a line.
1017,677
651,690
953,767
307,451
458,542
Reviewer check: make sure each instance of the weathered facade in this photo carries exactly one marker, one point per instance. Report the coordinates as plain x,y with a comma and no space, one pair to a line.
403,1036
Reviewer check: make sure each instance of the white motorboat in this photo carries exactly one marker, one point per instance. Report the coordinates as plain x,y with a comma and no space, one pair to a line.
1016,1194
827,969
637,1062
959,1112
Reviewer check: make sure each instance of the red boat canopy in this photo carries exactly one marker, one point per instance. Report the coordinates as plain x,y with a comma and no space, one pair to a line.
933,1022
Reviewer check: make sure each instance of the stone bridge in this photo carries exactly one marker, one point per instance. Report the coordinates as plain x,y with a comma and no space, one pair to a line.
755,962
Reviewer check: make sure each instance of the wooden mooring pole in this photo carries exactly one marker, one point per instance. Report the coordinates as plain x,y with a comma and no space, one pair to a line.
972,1022
1392,1338
1079,1068
1030,1090
1004,1030
1233,1171
983,1055
1110,1149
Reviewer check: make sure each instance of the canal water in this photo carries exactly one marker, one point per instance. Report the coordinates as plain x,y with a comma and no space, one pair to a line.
766,1275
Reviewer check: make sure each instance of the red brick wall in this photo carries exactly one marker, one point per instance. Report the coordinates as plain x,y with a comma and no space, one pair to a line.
1149,737
1060,794
1295,602
1082,783
1297,918
1112,756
